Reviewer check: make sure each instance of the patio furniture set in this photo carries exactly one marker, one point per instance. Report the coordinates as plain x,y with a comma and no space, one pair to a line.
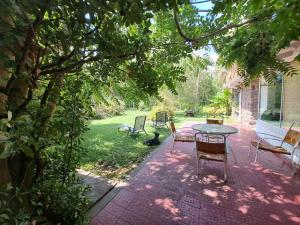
211,142
211,139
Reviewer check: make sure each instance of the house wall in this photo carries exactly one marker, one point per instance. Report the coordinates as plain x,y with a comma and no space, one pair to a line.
291,98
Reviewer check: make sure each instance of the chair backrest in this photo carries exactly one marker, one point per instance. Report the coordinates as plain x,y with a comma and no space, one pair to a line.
161,117
210,144
214,121
139,123
292,136
172,127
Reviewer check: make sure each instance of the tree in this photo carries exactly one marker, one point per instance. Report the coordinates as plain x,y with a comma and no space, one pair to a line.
54,54
200,86
46,41
249,33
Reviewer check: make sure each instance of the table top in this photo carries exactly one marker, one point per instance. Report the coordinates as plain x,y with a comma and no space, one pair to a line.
215,128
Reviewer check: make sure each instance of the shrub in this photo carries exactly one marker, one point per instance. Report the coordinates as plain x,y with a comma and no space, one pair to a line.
144,106
160,108
58,195
102,111
220,104
10,210
61,203
200,109
211,110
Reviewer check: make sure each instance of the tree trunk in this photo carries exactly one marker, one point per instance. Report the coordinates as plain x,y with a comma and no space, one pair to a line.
53,95
5,176
197,92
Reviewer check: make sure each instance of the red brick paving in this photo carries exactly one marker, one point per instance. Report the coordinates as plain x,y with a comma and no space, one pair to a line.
167,190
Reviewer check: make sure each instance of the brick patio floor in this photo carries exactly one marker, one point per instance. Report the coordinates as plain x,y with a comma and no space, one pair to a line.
167,190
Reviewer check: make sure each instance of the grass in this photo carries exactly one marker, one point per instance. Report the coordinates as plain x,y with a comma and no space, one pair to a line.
113,154
179,119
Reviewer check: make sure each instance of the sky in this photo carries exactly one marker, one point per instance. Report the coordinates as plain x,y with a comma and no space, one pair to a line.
210,52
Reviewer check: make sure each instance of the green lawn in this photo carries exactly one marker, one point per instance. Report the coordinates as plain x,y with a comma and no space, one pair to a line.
113,154
180,119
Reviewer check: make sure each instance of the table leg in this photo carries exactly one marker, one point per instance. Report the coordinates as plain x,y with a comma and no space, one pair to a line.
229,148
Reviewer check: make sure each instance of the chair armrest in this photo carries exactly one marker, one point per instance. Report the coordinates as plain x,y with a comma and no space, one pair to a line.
125,127
268,135
296,147
186,127
187,132
264,139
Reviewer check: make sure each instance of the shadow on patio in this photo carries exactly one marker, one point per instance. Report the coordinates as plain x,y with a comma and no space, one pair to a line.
167,190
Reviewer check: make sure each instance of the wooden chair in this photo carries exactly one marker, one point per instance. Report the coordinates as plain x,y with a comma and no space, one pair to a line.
185,134
220,121
160,119
139,126
291,138
213,149
214,121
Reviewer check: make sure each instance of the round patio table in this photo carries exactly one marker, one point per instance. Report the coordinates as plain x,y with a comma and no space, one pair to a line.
217,129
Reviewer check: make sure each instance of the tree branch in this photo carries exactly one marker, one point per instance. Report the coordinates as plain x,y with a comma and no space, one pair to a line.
212,33
82,62
46,93
3,90
63,59
199,2
60,61
202,10
25,103
91,31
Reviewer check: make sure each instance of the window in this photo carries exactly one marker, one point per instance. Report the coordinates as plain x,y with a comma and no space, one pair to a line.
270,101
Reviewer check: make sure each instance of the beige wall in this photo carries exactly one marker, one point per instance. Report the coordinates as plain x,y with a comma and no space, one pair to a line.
291,98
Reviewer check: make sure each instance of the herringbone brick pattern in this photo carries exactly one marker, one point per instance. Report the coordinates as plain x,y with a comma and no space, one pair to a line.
167,190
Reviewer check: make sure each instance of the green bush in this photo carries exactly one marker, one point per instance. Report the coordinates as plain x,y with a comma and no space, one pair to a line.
200,110
210,110
58,196
51,202
161,108
10,210
220,104
61,203
102,111
143,107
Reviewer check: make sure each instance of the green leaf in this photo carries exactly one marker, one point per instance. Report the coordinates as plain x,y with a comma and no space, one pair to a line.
4,216
3,136
28,151
8,150
9,115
